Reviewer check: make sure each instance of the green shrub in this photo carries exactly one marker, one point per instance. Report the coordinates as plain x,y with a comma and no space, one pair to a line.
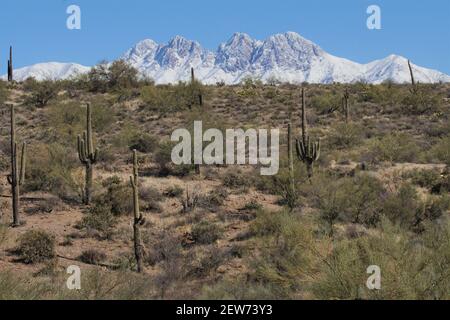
235,179
326,103
441,150
409,269
206,232
399,147
424,178
41,92
345,136
92,256
352,199
163,159
117,197
174,192
144,143
101,219
36,246
3,92
116,76
51,169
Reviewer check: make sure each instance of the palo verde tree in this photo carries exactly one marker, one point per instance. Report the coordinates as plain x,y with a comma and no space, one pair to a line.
17,176
307,151
87,155
138,218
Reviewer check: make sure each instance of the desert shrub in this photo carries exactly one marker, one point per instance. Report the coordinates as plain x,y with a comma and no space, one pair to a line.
159,98
51,170
420,102
285,260
441,150
253,205
398,147
430,210
69,120
206,232
235,179
3,92
204,262
163,159
280,184
3,233
36,246
443,185
386,94
92,256
149,198
410,269
101,219
345,136
97,284
326,103
174,192
424,178
41,92
144,143
352,199
214,199
116,76
117,197
402,205
166,247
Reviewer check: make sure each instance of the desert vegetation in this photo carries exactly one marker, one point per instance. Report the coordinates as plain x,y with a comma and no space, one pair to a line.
364,180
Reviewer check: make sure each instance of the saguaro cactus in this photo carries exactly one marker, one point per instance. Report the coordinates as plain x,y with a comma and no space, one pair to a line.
291,158
10,65
307,151
413,81
196,92
345,106
138,219
87,155
17,176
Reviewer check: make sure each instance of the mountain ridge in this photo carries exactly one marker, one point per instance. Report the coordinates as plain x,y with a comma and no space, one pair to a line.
285,57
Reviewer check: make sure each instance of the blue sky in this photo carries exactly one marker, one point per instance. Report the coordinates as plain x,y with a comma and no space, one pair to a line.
419,30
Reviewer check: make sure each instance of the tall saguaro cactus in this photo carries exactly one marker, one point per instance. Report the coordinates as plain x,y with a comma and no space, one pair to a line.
345,106
291,159
17,176
196,92
87,155
10,65
138,219
413,81
307,151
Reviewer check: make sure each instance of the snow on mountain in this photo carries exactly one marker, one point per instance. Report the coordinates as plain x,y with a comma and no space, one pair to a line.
396,68
49,71
286,57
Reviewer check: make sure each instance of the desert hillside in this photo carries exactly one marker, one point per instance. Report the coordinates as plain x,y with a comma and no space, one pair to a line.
377,194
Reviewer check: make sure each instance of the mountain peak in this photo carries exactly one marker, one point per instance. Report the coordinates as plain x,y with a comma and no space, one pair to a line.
287,57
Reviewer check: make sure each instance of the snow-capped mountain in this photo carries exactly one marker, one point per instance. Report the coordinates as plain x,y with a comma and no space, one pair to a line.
285,57
49,71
